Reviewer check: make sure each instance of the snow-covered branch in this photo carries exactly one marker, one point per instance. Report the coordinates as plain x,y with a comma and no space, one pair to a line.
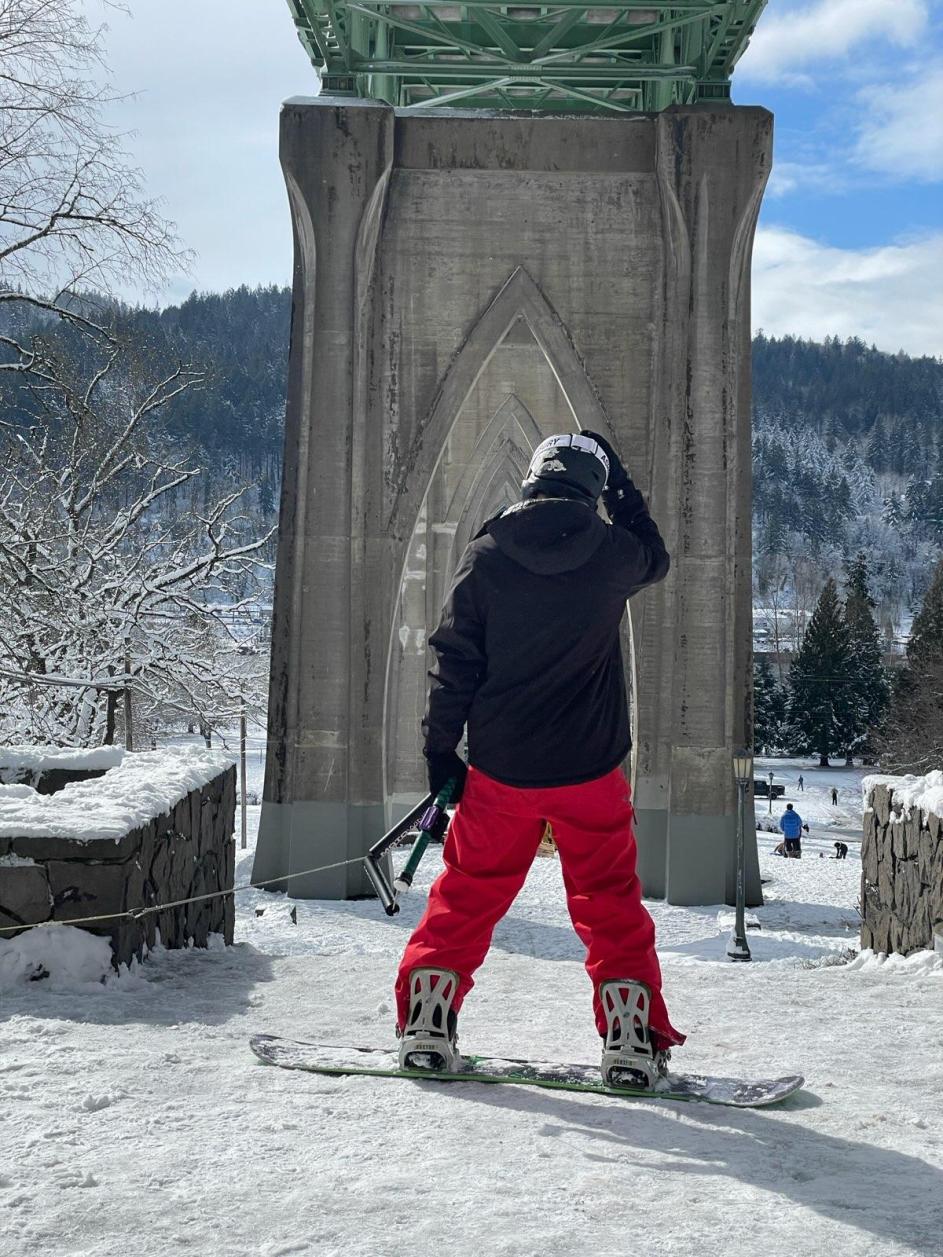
111,576
73,213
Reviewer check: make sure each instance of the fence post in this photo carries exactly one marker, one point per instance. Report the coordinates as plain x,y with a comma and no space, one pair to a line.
242,764
128,722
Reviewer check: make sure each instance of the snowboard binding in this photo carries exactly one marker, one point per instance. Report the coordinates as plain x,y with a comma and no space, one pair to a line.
629,1058
428,1040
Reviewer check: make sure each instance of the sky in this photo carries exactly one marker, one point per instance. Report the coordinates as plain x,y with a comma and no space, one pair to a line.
850,241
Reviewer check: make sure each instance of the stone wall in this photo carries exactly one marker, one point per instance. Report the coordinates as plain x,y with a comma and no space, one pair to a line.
902,872
188,850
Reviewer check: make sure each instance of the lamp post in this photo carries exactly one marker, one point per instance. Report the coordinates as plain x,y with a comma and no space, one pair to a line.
771,793
737,946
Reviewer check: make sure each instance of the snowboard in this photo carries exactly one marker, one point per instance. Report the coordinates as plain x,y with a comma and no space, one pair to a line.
326,1058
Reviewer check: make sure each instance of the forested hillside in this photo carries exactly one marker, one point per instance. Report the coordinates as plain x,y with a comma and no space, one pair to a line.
847,441
846,458
240,340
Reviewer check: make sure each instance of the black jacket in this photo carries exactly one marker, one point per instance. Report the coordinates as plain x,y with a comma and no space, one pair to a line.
527,651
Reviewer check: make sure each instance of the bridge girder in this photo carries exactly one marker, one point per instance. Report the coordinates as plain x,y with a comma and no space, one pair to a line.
568,56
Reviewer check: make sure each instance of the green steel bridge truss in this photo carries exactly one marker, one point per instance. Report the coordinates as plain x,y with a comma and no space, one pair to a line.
569,56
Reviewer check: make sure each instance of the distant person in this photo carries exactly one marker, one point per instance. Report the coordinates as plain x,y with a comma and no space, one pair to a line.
834,797
801,784
790,824
841,850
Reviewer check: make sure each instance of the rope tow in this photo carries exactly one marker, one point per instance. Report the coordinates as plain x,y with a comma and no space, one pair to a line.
136,914
432,820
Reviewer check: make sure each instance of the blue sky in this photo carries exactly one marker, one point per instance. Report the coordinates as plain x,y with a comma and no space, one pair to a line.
851,233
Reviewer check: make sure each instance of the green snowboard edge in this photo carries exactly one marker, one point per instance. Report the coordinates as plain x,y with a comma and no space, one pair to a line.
262,1046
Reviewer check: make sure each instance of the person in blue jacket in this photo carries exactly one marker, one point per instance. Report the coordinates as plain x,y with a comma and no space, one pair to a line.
791,825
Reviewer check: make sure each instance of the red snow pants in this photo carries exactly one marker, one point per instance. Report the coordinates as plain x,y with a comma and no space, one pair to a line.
491,844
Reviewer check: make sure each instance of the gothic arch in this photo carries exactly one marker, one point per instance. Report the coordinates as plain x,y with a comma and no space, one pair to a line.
502,455
520,297
491,481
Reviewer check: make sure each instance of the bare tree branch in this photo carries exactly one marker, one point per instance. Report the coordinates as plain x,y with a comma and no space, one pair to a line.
73,213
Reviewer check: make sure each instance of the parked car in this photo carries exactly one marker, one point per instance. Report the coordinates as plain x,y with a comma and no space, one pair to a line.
761,789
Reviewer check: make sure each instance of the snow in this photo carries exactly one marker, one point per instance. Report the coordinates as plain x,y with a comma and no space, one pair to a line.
925,794
142,786
134,1115
814,802
62,956
13,861
918,962
40,758
8,791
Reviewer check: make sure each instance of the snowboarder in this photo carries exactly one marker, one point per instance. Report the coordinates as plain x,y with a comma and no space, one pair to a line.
801,784
527,652
790,824
834,797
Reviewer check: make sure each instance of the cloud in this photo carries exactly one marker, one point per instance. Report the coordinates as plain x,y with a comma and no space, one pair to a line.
901,133
889,296
784,44
806,177
209,78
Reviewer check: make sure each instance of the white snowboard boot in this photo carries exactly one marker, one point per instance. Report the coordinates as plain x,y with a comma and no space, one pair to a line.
428,1040
628,1057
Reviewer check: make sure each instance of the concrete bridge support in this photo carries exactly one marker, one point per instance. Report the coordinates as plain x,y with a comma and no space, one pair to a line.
464,284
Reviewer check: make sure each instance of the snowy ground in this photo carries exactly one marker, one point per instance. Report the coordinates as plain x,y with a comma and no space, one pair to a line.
135,1119
814,801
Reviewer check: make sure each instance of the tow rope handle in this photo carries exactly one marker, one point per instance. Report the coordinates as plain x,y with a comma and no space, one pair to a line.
432,820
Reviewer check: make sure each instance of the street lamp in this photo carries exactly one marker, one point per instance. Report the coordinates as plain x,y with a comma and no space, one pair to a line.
737,946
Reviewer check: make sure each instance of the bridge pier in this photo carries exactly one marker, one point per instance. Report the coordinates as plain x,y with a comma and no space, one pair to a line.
464,284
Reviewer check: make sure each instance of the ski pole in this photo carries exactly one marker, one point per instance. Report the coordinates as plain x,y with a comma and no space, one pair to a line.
371,861
434,823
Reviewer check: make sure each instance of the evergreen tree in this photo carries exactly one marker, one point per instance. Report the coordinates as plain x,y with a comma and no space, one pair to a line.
915,501
914,740
820,698
876,447
893,510
908,456
268,503
869,688
926,635
773,535
769,709
933,508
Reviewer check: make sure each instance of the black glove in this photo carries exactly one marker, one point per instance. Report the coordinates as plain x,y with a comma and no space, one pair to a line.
618,476
622,500
446,767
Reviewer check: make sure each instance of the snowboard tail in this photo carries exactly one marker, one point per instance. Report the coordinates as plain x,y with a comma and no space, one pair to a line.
325,1058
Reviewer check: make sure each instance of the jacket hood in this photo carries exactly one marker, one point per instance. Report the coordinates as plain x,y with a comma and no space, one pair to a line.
548,535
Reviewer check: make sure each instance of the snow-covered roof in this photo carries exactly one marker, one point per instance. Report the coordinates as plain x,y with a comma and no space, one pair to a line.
925,793
142,786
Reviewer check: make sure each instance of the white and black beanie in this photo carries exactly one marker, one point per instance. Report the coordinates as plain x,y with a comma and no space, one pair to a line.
567,466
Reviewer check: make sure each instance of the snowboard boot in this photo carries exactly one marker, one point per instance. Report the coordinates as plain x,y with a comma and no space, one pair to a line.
629,1057
428,1040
